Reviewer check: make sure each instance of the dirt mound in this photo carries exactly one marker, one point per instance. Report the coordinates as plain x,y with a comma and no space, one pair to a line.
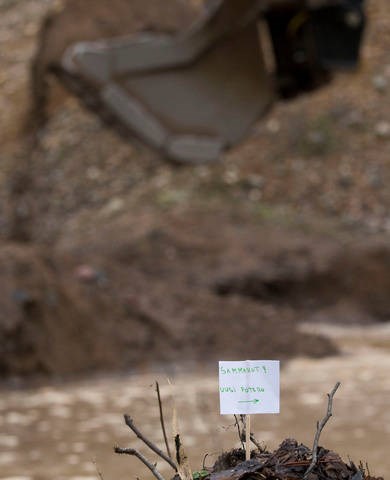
136,262
44,326
289,461
61,316
360,276
160,293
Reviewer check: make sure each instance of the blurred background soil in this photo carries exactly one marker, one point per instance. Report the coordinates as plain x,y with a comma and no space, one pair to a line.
111,259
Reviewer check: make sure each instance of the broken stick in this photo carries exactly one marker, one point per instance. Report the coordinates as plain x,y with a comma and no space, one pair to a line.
240,435
256,443
145,461
320,426
247,437
152,446
162,420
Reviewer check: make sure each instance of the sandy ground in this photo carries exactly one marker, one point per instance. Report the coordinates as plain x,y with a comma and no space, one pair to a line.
60,430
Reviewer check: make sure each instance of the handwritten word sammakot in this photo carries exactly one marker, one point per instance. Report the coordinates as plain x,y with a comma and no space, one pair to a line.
238,370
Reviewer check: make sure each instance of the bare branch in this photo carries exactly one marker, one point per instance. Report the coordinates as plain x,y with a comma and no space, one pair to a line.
240,434
145,461
99,473
162,420
177,447
152,446
320,426
256,443
183,466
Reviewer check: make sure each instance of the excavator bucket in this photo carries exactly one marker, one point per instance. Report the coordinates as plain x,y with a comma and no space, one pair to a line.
189,96
194,94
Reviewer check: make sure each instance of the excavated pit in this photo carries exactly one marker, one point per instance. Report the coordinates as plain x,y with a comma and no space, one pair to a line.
360,277
173,280
127,303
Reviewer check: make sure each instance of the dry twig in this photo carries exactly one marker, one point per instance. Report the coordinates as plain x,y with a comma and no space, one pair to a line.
256,443
241,435
162,420
320,426
204,461
183,466
145,461
98,472
152,446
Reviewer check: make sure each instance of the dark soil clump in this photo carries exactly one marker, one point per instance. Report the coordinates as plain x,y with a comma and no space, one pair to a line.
289,461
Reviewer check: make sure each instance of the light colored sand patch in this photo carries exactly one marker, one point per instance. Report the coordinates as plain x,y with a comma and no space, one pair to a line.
79,447
9,441
16,418
16,478
7,457
46,397
89,477
60,411
72,459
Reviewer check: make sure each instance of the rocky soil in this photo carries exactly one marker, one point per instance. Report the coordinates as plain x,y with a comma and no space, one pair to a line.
113,259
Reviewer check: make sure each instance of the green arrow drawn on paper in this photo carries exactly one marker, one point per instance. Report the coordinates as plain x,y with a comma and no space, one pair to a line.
255,400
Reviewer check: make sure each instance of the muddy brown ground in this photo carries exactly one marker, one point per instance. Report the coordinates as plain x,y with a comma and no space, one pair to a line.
132,264
131,261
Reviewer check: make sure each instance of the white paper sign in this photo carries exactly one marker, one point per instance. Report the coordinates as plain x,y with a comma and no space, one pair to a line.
249,386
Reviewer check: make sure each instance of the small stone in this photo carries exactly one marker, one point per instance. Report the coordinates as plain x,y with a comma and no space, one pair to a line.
231,176
353,119
375,179
93,173
316,137
346,178
255,195
380,83
113,206
345,181
329,203
298,165
273,125
382,129
203,172
88,274
373,224
255,181
30,29
21,296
